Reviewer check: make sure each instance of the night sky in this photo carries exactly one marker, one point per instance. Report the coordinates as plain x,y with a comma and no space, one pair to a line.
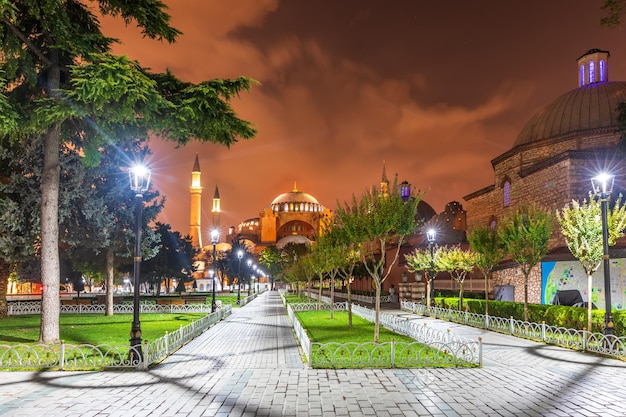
436,89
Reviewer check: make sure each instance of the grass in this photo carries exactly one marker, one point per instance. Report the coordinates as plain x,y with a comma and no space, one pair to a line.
322,329
93,329
337,346
294,299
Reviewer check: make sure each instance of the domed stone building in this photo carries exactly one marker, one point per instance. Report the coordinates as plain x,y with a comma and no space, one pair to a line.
550,164
292,217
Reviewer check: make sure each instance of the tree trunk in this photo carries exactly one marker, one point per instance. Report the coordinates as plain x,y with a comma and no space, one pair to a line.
589,303
4,282
50,270
332,298
461,284
526,296
110,257
349,304
378,286
319,296
487,293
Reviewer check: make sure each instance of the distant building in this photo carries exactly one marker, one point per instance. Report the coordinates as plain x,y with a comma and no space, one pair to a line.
292,217
550,164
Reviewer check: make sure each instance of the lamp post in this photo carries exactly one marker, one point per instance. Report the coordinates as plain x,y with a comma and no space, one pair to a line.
239,256
215,237
249,262
139,181
603,187
431,235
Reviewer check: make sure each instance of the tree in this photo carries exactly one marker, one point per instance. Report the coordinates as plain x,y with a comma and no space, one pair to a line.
582,230
458,263
615,11
489,250
58,84
377,222
421,260
272,259
525,235
174,258
102,231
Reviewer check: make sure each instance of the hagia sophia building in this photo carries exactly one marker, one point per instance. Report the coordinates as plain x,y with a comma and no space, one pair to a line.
551,163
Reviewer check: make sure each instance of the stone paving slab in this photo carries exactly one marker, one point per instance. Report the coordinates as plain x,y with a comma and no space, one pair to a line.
250,365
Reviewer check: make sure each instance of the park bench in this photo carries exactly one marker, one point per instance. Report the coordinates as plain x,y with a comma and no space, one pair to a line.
170,301
194,299
77,301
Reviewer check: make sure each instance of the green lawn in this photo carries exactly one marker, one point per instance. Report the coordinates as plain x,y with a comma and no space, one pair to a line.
337,346
322,329
93,328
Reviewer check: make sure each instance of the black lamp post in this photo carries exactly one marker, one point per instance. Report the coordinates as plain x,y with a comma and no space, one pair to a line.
602,188
239,256
215,238
139,181
431,235
249,262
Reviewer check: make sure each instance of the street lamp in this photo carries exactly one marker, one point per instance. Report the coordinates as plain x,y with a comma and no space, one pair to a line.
602,186
249,262
215,238
239,256
431,235
139,177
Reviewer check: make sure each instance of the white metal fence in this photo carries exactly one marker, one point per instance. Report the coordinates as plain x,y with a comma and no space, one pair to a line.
64,356
582,340
432,347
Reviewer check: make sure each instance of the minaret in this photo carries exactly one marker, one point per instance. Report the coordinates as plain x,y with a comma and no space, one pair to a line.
216,208
384,182
196,206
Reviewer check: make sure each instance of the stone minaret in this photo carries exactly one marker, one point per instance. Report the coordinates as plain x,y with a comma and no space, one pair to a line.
196,206
384,182
216,209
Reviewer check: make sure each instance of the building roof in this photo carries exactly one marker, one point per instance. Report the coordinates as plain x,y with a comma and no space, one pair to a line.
584,110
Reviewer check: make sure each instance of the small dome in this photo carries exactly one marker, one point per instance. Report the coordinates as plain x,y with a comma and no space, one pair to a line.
590,108
296,201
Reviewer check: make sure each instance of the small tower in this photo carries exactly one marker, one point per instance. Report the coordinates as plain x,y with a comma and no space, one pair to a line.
384,182
593,67
196,206
216,210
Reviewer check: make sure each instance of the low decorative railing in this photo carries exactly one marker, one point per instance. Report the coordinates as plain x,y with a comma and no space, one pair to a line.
582,340
432,347
34,307
65,356
367,299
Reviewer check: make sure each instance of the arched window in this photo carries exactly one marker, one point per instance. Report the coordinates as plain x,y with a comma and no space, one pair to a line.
493,223
602,68
582,75
506,193
592,72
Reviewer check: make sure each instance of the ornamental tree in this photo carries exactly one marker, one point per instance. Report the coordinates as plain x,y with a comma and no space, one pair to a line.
582,228
489,250
458,263
525,235
378,222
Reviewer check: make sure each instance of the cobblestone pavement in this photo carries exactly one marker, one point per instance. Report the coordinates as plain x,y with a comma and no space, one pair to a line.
249,364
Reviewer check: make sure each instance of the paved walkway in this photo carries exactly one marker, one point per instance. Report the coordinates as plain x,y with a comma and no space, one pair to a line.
250,364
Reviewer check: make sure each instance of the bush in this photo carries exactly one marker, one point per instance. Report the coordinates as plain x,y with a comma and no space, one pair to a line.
560,316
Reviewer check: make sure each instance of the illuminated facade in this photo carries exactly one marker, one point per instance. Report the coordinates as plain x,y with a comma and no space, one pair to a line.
294,216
